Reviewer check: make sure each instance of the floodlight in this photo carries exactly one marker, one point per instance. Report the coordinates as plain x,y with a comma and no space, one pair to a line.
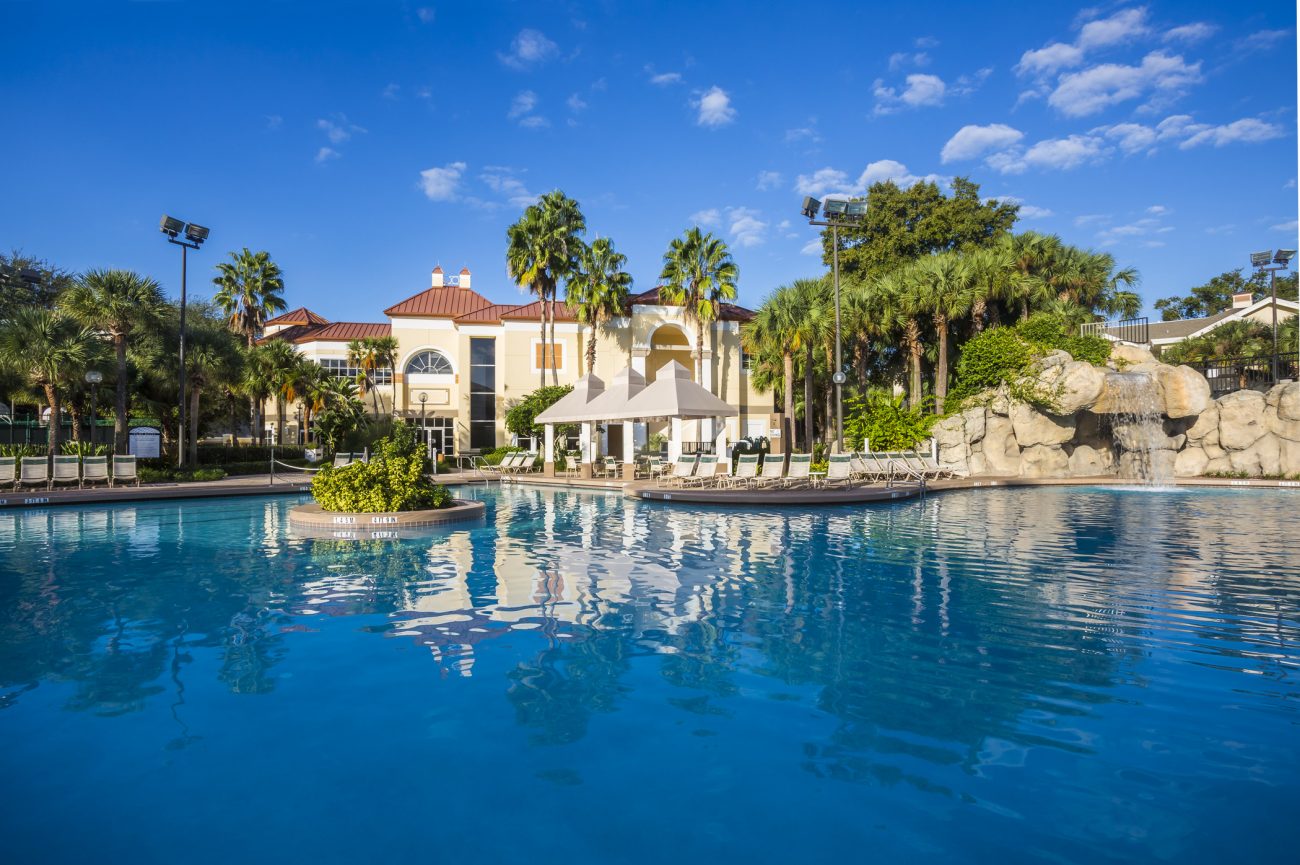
836,207
196,233
857,209
1284,256
810,207
171,226
1260,259
94,376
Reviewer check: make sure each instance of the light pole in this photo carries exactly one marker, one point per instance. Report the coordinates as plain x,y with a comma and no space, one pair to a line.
424,398
93,378
849,211
194,237
1273,262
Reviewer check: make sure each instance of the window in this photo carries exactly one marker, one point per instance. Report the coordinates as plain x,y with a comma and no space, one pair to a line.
482,393
429,363
339,368
747,362
548,356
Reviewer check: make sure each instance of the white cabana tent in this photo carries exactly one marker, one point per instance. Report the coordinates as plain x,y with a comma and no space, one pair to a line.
570,408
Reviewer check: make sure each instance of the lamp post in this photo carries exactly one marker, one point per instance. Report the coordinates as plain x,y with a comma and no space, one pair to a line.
849,211
428,448
194,237
93,378
1273,262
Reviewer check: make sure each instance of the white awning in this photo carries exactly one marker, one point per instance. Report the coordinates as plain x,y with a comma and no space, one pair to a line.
572,407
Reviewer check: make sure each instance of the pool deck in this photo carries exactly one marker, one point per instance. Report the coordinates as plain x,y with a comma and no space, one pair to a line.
289,483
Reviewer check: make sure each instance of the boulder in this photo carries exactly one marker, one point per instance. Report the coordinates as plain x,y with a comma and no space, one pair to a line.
1000,405
1073,385
1090,462
1263,457
1241,419
1001,453
1185,391
974,419
1088,430
1123,355
1190,463
1033,427
1137,464
1206,427
1288,463
1120,388
950,432
978,464
1054,358
1286,397
1044,461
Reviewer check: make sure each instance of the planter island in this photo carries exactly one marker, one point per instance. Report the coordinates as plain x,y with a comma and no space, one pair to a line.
313,521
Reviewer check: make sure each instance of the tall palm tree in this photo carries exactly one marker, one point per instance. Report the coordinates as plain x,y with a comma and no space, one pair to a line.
282,361
48,350
814,327
371,354
258,383
543,248
698,275
598,289
902,295
1032,258
943,286
117,303
249,289
771,333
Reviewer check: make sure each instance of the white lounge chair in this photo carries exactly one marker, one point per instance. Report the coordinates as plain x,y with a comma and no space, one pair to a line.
682,471
94,470
124,470
746,472
839,468
508,464
342,459
33,471
899,468
869,468
798,473
940,471
773,471
918,464
705,472
67,470
8,470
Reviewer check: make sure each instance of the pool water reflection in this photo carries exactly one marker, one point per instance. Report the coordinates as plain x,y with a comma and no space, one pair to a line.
996,675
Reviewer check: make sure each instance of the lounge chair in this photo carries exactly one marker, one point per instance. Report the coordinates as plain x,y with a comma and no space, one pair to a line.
607,467
682,471
572,464
800,466
124,470
8,470
530,463
869,467
839,470
899,468
33,471
705,472
67,470
94,470
654,467
773,471
341,460
942,471
511,463
746,472
918,464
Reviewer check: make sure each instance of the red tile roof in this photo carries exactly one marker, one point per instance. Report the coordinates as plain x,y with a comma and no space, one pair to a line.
487,315
726,311
338,331
301,315
533,312
444,302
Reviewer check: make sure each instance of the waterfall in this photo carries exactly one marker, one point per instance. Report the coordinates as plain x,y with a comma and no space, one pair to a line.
1138,427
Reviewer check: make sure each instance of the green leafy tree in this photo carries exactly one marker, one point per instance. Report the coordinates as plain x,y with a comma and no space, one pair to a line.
282,361
250,290
943,284
1214,296
698,275
18,293
598,289
393,480
49,350
371,354
770,336
521,416
884,422
117,303
258,383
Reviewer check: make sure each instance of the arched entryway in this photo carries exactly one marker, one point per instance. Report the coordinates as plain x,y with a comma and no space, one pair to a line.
668,343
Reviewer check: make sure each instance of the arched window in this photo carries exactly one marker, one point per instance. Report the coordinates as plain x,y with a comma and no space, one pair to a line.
429,363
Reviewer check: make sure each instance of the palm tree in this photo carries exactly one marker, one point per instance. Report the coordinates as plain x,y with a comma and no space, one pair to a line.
258,383
209,363
544,248
48,350
371,354
813,317
903,295
770,334
117,303
249,289
943,289
282,361
1126,304
598,289
1032,256
698,275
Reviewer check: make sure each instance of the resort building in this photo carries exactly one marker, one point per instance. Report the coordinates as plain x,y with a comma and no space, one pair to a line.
462,360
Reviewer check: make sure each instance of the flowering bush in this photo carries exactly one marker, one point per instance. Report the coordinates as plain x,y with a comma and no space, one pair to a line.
393,480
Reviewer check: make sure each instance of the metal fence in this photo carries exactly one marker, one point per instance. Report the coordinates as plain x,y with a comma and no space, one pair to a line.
1247,373
1133,330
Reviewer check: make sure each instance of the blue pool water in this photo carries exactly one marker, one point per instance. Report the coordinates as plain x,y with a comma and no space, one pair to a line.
1051,675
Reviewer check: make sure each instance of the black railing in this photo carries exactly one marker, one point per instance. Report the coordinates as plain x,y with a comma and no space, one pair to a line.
1133,330
1247,373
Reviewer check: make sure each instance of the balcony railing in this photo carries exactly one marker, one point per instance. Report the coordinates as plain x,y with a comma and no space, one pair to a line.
1247,373
1132,330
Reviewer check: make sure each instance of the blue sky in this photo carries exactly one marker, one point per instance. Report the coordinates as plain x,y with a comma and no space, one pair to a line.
361,144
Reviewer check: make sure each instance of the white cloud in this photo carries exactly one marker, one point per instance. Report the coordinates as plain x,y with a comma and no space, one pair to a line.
706,218
424,92
972,141
1082,93
1290,184
1136,137
1221,229
1090,219
1123,26
523,103
534,121
425,14
1131,137
746,228
833,182
663,79
1049,59
968,84
714,108
922,90
1030,211
392,91
1287,226
441,184
502,181
338,128
812,247
529,48
1052,153
902,59
804,133
325,154
1190,33
1247,130
821,181
1143,232
768,180
1262,40
576,103
1158,210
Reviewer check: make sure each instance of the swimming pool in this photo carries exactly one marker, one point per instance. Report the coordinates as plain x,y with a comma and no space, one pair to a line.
1080,675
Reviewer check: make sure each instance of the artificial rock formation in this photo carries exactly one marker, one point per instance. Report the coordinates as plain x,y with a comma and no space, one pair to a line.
1246,431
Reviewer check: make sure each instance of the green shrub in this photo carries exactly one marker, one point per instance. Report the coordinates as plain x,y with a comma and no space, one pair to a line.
883,421
216,455
393,480
83,449
168,474
496,455
521,418
22,450
989,358
1047,331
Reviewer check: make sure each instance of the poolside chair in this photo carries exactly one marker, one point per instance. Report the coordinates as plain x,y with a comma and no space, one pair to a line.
572,464
67,470
608,467
746,472
898,467
800,466
33,471
511,463
654,467
124,470
941,470
929,470
773,471
8,470
531,464
869,467
705,472
682,471
342,459
839,470
94,470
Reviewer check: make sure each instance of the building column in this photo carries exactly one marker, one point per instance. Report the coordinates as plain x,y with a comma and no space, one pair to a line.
548,451
706,370
629,452
675,441
585,449
721,447
639,356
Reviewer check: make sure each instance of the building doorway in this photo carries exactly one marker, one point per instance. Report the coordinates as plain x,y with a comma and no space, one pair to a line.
438,433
